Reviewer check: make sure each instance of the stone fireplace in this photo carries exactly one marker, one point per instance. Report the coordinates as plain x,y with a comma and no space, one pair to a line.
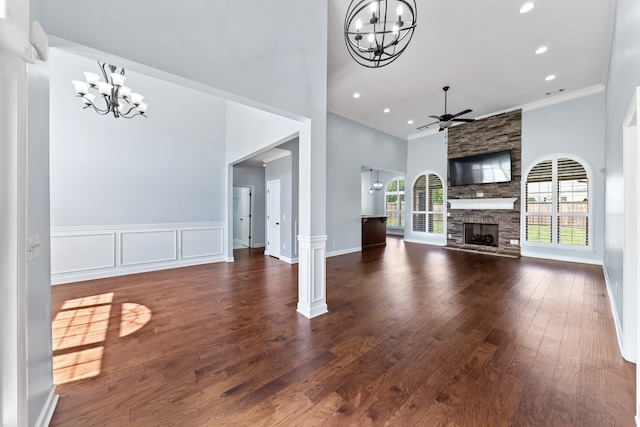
486,209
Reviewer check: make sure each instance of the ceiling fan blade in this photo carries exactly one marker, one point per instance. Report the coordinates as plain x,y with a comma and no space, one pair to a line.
425,126
461,113
436,117
463,120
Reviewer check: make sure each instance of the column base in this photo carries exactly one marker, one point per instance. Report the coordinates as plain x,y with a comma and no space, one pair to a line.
312,283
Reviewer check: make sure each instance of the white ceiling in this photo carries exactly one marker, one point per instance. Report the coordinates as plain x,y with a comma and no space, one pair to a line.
483,50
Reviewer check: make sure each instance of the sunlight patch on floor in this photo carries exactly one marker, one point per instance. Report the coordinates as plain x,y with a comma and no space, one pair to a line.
79,332
133,317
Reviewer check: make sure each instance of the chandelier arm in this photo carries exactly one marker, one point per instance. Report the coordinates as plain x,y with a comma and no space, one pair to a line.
91,104
104,72
99,111
130,110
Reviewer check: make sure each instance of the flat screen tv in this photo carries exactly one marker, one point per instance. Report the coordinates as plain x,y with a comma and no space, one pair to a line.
481,169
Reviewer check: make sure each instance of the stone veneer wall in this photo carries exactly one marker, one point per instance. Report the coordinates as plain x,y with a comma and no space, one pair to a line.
496,133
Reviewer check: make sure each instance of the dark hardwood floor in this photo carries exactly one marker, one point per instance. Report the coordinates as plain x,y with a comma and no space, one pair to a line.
415,336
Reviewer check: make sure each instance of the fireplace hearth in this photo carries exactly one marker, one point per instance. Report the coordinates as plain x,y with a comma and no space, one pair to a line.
481,234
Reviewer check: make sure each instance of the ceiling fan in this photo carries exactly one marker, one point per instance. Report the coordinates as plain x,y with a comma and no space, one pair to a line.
447,120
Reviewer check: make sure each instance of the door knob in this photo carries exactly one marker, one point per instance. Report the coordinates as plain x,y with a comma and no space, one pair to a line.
277,223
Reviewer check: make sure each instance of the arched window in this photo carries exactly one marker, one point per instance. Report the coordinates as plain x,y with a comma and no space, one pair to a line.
557,208
428,204
394,202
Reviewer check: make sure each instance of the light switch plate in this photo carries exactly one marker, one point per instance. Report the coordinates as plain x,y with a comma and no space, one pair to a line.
33,247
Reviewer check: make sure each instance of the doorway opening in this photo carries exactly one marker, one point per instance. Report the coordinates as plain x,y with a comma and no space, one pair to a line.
273,218
242,218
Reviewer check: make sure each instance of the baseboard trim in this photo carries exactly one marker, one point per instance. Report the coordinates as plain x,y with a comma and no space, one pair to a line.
289,260
343,252
525,253
614,314
48,409
62,278
426,242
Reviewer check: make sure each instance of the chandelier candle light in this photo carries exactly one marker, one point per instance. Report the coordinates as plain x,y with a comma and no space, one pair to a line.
116,95
378,31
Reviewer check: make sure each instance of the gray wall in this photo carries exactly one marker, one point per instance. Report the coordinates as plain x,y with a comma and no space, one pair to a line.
351,145
266,65
426,154
574,127
623,78
254,176
167,168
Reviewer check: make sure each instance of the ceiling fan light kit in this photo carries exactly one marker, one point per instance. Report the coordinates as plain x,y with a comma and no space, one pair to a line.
378,31
446,120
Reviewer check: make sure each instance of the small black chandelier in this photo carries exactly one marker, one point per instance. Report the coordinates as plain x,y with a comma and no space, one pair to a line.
118,98
378,31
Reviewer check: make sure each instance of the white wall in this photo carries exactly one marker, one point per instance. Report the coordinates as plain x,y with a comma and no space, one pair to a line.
26,389
351,145
254,176
426,154
167,168
39,341
250,130
572,127
623,78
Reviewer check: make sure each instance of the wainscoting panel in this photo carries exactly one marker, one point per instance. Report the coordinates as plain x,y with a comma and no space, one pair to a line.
79,252
148,246
202,242
85,253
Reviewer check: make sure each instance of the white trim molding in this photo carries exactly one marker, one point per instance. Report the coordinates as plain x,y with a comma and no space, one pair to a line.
312,270
85,253
481,203
49,407
344,252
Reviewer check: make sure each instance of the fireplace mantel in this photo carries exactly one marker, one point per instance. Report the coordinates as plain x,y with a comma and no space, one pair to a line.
483,204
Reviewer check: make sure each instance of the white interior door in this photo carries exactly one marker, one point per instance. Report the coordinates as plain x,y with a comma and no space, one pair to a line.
273,218
242,216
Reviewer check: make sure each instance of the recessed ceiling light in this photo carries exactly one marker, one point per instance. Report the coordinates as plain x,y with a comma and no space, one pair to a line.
410,122
356,95
550,77
526,7
541,49
386,110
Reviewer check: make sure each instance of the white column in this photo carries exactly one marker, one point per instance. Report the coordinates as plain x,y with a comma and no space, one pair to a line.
13,351
312,299
312,296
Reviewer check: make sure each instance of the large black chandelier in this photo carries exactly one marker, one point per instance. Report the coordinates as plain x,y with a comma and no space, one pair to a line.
378,31
118,98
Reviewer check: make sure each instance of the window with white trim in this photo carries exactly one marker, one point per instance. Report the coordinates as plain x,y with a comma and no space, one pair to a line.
557,211
394,202
428,204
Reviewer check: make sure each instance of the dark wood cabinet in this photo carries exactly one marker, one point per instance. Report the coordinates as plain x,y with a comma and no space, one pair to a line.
374,231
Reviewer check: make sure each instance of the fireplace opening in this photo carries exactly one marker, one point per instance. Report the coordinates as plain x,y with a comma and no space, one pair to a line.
481,234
